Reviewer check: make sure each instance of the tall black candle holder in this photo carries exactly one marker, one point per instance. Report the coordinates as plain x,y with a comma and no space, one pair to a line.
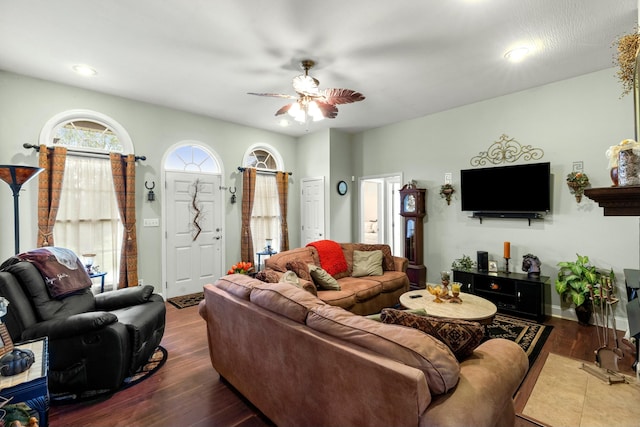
506,267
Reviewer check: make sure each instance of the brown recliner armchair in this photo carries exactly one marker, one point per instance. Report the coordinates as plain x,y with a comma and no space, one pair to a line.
95,342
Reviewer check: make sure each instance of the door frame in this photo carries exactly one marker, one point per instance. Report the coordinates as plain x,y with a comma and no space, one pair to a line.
386,209
163,207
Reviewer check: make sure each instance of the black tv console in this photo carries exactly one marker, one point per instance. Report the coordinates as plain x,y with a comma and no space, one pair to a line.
514,294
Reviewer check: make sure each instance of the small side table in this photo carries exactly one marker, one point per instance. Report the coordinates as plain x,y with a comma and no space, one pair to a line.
101,276
30,386
266,252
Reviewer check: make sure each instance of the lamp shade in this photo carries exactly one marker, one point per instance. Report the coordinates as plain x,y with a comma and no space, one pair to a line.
16,176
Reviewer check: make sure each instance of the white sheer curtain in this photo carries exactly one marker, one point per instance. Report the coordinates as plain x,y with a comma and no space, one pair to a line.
265,218
88,221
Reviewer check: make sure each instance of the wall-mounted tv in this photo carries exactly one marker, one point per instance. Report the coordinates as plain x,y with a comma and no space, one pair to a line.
517,188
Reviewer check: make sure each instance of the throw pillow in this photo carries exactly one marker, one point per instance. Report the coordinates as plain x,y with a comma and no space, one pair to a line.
367,263
300,268
322,279
268,276
461,336
291,278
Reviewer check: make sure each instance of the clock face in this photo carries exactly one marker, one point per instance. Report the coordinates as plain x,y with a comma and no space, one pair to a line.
342,188
410,203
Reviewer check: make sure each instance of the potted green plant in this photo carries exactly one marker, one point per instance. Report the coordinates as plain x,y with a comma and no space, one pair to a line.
574,282
465,263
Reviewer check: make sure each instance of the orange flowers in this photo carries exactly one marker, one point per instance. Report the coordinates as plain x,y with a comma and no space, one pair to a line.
241,268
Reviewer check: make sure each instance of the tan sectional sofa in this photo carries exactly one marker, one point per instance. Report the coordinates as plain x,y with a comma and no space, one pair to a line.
360,295
303,362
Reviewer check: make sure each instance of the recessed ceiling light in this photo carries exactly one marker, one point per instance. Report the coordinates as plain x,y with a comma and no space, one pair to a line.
84,70
284,123
517,54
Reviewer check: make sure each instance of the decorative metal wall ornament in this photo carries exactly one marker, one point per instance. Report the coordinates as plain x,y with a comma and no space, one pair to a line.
194,205
506,150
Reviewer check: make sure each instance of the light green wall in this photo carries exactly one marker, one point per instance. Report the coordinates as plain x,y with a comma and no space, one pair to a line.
571,120
25,106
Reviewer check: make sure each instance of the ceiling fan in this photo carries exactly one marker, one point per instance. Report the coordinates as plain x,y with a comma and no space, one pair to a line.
311,101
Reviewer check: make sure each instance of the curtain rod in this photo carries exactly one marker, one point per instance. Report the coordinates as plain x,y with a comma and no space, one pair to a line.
241,169
79,153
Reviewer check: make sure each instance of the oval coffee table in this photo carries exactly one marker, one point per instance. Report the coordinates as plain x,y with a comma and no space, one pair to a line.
473,307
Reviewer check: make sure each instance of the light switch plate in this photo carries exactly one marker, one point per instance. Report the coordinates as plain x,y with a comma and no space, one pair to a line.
151,222
448,177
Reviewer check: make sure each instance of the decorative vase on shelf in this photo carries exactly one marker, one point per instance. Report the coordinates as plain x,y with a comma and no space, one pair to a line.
628,168
613,173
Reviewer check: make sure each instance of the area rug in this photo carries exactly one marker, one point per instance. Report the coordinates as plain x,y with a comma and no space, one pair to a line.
187,300
155,362
566,395
529,335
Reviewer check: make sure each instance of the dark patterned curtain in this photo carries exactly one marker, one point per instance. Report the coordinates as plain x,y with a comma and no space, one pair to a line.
248,195
124,182
282,182
49,189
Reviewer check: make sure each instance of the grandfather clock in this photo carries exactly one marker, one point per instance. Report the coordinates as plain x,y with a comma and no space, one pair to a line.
412,208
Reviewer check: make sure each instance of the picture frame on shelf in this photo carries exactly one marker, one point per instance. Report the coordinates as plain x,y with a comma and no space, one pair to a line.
6,345
493,266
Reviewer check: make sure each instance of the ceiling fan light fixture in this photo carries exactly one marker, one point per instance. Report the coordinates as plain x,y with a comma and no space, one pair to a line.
314,111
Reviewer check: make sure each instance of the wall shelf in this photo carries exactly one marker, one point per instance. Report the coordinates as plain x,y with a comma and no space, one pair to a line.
617,201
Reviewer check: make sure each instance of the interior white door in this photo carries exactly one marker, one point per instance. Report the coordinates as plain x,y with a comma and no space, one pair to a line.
194,232
312,209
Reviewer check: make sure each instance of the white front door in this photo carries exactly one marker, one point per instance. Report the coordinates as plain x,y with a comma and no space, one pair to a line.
194,232
312,209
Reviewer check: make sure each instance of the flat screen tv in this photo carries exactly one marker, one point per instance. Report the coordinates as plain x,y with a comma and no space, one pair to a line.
517,188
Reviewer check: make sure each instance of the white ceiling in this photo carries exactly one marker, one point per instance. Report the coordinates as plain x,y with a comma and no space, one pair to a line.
410,58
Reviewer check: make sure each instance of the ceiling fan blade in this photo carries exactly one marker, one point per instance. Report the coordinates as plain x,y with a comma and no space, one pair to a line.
284,109
274,95
342,96
329,111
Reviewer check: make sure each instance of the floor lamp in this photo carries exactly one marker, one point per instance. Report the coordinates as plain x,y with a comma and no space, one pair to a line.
15,176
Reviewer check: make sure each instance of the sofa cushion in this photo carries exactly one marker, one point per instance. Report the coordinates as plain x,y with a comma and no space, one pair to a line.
239,285
391,280
300,268
322,279
278,262
407,345
363,289
285,299
367,263
344,299
388,263
461,336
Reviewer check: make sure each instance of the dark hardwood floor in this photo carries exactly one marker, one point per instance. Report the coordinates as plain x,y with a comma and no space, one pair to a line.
188,392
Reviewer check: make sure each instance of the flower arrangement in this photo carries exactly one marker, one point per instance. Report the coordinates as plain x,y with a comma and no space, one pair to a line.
613,153
577,182
446,191
626,60
241,267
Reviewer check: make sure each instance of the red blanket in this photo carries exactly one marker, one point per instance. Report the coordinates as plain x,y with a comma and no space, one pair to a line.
332,258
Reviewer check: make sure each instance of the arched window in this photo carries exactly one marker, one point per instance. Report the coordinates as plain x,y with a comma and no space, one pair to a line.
191,158
265,217
88,220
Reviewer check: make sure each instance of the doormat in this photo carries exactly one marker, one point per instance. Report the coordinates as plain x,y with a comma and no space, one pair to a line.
187,300
529,335
566,395
155,362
